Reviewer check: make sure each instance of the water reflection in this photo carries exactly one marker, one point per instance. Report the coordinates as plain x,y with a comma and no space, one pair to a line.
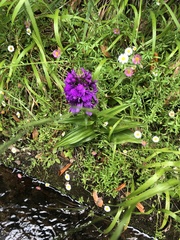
29,210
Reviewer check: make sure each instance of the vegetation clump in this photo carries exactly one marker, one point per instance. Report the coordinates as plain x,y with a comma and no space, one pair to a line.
116,63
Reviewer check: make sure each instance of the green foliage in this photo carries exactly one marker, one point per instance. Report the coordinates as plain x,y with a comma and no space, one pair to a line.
104,146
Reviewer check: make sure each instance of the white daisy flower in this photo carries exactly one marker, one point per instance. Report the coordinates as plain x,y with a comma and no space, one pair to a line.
128,51
105,124
14,149
137,134
172,114
67,186
18,114
47,184
28,31
63,134
155,73
155,139
67,176
107,209
123,58
11,48
3,103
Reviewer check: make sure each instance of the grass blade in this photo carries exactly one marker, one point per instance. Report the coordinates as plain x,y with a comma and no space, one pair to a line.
176,21
16,9
56,29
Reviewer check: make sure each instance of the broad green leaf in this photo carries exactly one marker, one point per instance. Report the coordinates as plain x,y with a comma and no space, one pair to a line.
171,214
17,9
157,189
123,223
109,113
77,135
153,17
56,29
148,183
167,207
124,137
114,221
176,21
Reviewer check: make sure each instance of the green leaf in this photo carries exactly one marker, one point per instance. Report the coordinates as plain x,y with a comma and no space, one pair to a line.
153,31
109,113
123,223
114,221
176,21
124,137
167,207
17,9
80,134
157,189
56,29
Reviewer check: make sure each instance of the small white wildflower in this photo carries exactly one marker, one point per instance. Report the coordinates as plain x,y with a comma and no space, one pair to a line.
105,124
158,3
134,48
3,103
123,58
67,186
128,51
14,150
155,139
47,184
67,176
63,134
137,134
125,151
1,92
107,209
155,73
172,114
28,31
11,48
18,114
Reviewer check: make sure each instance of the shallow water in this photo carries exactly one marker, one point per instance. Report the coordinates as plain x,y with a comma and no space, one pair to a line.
31,210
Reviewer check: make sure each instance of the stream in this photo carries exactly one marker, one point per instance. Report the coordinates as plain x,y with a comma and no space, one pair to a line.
33,210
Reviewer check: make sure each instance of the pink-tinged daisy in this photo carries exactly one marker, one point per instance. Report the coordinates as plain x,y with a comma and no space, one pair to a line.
144,143
136,59
116,31
123,58
56,53
128,72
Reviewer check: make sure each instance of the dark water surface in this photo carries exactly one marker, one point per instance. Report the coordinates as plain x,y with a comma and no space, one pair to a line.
31,210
